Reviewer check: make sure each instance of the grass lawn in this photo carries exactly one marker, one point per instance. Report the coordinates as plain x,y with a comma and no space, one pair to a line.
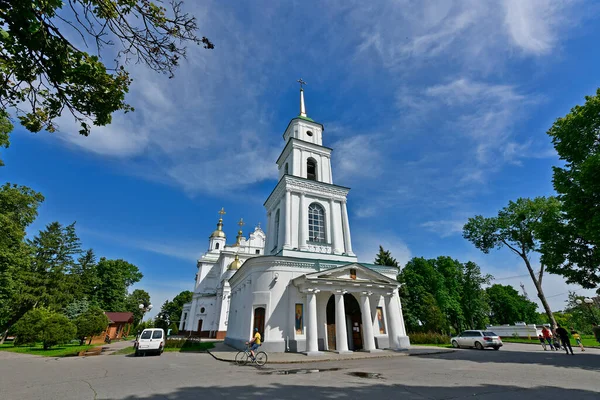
587,340
194,347
62,350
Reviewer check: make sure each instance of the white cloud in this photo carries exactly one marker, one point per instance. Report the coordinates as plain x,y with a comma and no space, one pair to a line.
445,228
366,246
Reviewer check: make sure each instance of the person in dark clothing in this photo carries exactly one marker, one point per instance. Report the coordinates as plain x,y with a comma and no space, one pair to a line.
564,338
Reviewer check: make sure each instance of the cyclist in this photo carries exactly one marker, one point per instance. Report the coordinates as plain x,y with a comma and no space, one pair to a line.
255,342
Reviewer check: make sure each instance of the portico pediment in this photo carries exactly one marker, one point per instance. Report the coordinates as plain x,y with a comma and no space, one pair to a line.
351,275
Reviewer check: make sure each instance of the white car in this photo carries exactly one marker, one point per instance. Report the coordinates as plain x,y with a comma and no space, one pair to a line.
151,340
478,339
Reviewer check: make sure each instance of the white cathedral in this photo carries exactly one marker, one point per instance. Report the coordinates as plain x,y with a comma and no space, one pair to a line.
300,284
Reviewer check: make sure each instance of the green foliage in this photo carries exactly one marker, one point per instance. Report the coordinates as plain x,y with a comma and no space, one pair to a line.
144,325
91,323
6,128
134,300
76,308
44,74
42,325
443,295
508,306
384,257
428,338
524,226
170,312
577,243
114,278
581,316
18,209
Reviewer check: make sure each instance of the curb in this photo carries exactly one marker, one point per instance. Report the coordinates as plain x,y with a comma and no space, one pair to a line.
320,359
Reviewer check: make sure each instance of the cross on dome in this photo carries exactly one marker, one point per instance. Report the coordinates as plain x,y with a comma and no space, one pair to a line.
302,106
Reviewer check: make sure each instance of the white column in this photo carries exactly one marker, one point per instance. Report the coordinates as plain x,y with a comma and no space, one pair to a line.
367,322
303,223
341,336
312,343
336,233
287,220
346,226
393,315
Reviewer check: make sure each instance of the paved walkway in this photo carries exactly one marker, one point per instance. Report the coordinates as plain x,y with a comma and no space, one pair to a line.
223,352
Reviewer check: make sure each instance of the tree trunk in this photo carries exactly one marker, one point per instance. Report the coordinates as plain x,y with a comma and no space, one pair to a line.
540,293
4,336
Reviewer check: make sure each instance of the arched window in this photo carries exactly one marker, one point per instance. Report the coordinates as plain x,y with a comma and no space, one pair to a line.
316,223
311,169
285,171
276,239
217,246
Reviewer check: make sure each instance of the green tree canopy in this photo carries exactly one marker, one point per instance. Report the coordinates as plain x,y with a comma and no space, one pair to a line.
384,257
509,306
577,243
524,227
44,74
134,299
43,325
114,279
91,323
170,312
18,209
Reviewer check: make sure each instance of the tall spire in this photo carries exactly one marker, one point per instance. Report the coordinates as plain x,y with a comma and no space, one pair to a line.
219,232
302,106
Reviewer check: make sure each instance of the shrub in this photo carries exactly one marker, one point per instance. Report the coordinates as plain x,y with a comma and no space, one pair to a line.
428,338
41,325
90,323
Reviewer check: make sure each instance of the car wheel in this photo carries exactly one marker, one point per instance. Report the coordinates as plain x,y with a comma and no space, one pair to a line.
496,347
478,346
455,344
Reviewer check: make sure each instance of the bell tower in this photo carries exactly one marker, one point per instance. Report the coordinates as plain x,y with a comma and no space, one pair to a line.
306,213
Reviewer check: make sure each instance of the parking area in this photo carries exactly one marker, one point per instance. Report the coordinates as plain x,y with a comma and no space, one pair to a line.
525,371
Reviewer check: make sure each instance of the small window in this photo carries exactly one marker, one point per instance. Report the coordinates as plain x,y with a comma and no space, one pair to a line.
202,310
352,273
276,238
489,333
184,316
311,169
257,251
286,169
146,335
217,246
316,223
157,335
309,133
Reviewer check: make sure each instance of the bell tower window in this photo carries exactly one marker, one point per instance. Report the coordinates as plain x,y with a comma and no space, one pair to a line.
217,246
316,223
276,239
311,169
286,170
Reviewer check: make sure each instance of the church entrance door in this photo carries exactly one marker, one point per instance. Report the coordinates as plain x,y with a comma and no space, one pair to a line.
199,325
259,321
354,318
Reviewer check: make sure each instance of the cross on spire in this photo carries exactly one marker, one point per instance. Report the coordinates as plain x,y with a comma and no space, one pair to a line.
301,82
302,106
222,212
241,223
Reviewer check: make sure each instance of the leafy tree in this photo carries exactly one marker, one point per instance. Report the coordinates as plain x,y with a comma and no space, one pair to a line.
91,323
42,325
5,128
48,281
18,209
76,308
509,306
577,242
84,276
473,299
114,278
433,318
172,310
384,257
43,73
134,299
522,227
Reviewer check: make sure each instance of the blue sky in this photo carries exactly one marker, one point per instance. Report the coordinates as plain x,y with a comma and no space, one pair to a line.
436,111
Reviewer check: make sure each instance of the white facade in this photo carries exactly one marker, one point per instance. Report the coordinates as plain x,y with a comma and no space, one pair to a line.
207,314
305,291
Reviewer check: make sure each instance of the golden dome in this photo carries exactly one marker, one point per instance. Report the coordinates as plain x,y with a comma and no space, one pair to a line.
235,264
219,232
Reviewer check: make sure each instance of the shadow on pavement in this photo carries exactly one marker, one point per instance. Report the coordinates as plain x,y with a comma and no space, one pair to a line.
377,391
586,360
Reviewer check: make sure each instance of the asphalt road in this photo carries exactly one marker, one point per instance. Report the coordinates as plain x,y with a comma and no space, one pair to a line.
519,371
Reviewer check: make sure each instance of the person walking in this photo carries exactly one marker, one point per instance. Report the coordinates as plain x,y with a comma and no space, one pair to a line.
564,338
548,336
577,338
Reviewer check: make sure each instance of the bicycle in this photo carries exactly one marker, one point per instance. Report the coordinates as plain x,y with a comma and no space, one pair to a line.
242,357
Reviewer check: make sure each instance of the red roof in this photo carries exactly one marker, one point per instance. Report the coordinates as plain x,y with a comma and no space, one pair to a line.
115,317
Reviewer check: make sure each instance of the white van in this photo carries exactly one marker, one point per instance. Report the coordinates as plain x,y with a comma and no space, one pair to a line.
151,340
